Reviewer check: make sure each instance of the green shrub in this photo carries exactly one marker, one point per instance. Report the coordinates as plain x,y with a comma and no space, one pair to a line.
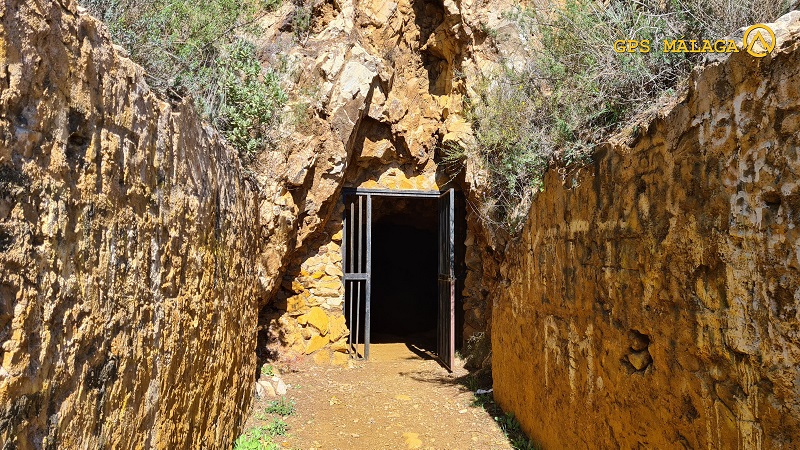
301,21
281,407
199,49
255,439
277,427
576,90
251,100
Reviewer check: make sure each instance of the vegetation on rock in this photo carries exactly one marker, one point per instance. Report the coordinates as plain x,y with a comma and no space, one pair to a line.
577,90
201,49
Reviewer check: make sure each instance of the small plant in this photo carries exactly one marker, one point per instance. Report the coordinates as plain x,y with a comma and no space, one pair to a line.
513,431
483,401
523,443
508,423
488,31
277,427
267,370
301,22
258,438
282,407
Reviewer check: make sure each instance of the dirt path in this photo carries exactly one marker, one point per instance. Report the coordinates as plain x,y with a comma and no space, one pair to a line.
397,400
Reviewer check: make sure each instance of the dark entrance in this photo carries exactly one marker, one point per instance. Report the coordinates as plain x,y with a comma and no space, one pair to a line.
399,270
404,264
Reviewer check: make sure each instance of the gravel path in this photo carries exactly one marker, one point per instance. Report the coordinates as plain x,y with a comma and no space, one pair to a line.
400,399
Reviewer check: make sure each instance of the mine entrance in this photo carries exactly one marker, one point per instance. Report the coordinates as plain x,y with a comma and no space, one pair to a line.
399,264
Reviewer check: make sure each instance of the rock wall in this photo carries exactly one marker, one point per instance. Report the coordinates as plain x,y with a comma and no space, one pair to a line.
653,300
129,249
387,81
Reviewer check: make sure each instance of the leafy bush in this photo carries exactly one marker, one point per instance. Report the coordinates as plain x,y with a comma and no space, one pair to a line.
251,100
198,49
576,90
258,438
301,21
277,427
281,407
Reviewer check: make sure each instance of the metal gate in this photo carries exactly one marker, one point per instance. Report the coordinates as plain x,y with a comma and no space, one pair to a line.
357,259
356,263
446,337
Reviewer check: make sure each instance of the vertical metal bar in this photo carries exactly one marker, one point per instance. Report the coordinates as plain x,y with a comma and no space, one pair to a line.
445,328
369,277
358,312
348,291
352,223
451,264
348,286
360,232
439,322
359,267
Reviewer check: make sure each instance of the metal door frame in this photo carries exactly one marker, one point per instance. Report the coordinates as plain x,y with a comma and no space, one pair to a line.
446,324
355,272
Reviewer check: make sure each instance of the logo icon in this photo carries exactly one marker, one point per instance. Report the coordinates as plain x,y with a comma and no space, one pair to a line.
759,40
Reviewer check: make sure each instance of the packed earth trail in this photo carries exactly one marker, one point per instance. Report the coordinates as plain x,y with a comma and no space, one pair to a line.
400,399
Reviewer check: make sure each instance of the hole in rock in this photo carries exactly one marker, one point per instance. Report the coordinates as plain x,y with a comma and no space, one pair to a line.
404,271
772,199
6,240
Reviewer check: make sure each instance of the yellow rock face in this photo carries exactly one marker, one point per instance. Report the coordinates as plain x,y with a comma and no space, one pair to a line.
322,357
651,300
296,303
130,248
316,343
318,319
338,328
329,283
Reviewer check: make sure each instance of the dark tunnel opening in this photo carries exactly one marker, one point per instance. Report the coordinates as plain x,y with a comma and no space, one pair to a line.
404,296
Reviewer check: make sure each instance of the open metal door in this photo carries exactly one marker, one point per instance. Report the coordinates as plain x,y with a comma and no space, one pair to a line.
356,264
446,337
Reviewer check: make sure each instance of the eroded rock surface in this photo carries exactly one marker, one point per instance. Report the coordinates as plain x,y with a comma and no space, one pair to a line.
653,301
129,244
387,80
